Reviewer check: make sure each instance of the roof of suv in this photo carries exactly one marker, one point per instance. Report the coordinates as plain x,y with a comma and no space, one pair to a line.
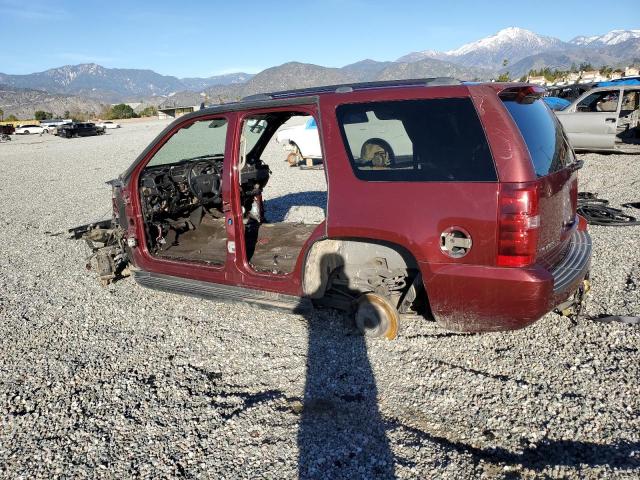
350,87
310,95
307,95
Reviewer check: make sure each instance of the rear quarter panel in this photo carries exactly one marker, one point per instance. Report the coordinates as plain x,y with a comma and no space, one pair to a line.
410,214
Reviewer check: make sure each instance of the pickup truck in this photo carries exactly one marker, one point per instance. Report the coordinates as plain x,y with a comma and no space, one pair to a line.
79,130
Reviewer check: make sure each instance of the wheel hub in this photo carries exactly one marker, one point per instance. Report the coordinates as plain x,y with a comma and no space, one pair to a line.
376,317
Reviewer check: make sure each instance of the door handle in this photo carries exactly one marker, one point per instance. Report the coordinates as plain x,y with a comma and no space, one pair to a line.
610,120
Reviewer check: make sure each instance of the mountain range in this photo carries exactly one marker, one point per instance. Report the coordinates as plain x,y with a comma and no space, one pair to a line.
514,50
113,84
517,51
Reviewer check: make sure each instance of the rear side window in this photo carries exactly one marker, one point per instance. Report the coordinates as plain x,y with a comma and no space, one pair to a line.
541,130
416,141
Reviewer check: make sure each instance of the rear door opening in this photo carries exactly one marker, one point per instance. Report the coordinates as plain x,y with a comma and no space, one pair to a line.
283,213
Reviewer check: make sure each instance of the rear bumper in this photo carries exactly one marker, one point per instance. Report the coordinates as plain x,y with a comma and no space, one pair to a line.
480,298
574,266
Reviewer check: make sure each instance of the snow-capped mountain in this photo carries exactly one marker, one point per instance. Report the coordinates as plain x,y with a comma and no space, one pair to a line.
511,44
614,37
483,59
508,39
523,49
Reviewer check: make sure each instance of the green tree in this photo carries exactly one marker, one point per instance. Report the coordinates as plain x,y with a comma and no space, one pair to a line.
12,118
150,111
42,115
504,77
67,114
1,114
122,110
606,70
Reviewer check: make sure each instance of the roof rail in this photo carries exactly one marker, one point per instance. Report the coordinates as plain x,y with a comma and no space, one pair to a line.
350,87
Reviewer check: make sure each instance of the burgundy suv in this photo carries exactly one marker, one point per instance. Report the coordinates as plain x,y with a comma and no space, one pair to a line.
453,200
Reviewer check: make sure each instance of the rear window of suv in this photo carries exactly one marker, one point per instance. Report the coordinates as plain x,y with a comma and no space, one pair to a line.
541,130
416,141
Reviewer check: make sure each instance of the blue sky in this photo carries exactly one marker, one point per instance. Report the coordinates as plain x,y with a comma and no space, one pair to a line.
200,38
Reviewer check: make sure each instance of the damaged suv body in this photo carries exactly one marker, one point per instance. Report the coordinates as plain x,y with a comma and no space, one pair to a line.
456,201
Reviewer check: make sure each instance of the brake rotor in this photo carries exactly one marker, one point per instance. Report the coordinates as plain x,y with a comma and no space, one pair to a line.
376,317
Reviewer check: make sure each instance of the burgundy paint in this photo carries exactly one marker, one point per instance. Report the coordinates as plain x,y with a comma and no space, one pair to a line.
469,293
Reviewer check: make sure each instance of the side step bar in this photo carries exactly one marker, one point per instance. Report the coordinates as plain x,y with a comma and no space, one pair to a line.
220,292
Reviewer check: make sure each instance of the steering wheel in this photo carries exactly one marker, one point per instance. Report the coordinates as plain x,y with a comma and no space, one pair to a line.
204,186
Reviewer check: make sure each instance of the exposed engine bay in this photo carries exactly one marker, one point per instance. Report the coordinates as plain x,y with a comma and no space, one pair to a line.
181,197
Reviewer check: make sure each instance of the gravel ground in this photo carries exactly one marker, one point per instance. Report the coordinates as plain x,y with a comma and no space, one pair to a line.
123,381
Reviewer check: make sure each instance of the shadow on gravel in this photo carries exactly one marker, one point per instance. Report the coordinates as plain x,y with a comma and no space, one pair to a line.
341,432
279,206
548,453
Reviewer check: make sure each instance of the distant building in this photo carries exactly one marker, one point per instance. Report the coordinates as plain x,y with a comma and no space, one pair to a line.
631,72
572,77
180,104
175,111
615,76
590,76
537,80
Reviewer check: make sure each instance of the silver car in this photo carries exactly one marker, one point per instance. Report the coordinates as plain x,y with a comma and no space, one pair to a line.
604,119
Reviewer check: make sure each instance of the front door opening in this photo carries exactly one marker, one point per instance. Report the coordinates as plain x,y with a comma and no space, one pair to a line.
629,119
181,195
292,204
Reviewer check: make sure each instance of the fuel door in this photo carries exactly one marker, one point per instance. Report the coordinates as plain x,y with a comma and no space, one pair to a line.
455,242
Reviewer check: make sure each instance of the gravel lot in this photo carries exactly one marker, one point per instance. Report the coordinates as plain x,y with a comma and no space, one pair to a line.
123,381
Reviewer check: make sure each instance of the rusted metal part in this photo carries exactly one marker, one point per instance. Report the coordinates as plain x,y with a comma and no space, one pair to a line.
109,258
293,159
79,231
574,306
376,317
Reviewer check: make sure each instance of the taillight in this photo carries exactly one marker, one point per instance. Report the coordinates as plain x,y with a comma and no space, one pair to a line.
518,223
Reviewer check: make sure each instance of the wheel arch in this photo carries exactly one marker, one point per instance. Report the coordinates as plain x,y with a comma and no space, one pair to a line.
326,255
297,146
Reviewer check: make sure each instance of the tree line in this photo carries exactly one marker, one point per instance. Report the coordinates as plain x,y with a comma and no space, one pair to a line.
114,112
553,74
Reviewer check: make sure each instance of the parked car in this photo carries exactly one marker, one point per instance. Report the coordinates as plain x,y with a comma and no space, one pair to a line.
52,124
108,124
55,122
79,130
604,119
302,141
30,129
455,201
556,103
6,131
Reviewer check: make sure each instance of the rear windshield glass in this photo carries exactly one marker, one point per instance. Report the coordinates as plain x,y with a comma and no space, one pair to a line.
541,130
416,141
